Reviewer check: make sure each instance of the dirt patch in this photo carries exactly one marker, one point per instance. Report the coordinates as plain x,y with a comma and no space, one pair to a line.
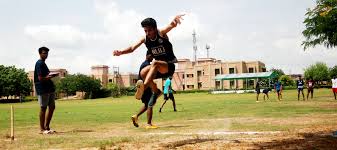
185,142
313,137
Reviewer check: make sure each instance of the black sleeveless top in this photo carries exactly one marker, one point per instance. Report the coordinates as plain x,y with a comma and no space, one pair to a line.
161,49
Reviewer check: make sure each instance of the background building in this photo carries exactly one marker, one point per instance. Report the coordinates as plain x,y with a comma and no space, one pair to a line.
201,74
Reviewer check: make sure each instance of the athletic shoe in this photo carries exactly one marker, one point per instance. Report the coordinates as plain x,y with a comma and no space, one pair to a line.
45,132
134,120
140,89
151,126
52,131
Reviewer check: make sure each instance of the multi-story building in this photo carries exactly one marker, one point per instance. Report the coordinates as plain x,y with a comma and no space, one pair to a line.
101,72
191,75
201,74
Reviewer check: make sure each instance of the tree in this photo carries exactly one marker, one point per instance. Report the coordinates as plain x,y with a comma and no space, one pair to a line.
2,80
115,90
318,72
279,72
333,72
73,83
66,85
286,80
14,82
321,25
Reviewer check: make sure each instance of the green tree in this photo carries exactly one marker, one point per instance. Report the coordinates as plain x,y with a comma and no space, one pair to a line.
67,85
321,25
79,82
115,90
333,72
286,80
318,72
279,72
14,82
86,84
2,80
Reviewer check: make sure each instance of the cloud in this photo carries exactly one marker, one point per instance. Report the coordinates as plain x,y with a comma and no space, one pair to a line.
121,28
124,24
64,36
236,30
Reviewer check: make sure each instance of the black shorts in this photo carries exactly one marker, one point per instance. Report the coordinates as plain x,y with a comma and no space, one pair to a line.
146,98
171,69
310,90
265,91
258,91
300,89
168,96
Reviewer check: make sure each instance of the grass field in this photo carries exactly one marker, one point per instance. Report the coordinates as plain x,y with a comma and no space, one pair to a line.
202,120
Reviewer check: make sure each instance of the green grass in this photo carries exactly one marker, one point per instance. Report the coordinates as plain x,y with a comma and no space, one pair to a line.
81,119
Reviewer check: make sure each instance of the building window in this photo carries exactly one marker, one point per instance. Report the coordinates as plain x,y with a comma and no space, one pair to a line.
199,85
190,86
216,71
217,84
189,75
231,84
264,70
110,80
183,76
198,73
231,71
251,84
134,81
251,70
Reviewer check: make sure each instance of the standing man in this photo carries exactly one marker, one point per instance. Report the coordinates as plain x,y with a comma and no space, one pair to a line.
278,89
300,86
334,86
310,86
146,97
168,94
45,90
257,89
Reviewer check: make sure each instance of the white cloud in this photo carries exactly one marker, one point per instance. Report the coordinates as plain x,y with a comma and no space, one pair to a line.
122,28
57,35
236,30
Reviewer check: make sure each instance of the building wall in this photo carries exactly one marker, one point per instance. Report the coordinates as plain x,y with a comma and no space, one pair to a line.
101,73
125,80
190,75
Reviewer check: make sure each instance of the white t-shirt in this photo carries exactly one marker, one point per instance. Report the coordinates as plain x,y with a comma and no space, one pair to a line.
334,83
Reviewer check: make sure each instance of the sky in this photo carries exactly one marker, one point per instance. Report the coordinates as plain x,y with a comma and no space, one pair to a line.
81,34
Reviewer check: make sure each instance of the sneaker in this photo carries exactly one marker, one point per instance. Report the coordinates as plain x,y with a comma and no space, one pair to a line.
140,89
51,131
151,126
45,132
134,119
